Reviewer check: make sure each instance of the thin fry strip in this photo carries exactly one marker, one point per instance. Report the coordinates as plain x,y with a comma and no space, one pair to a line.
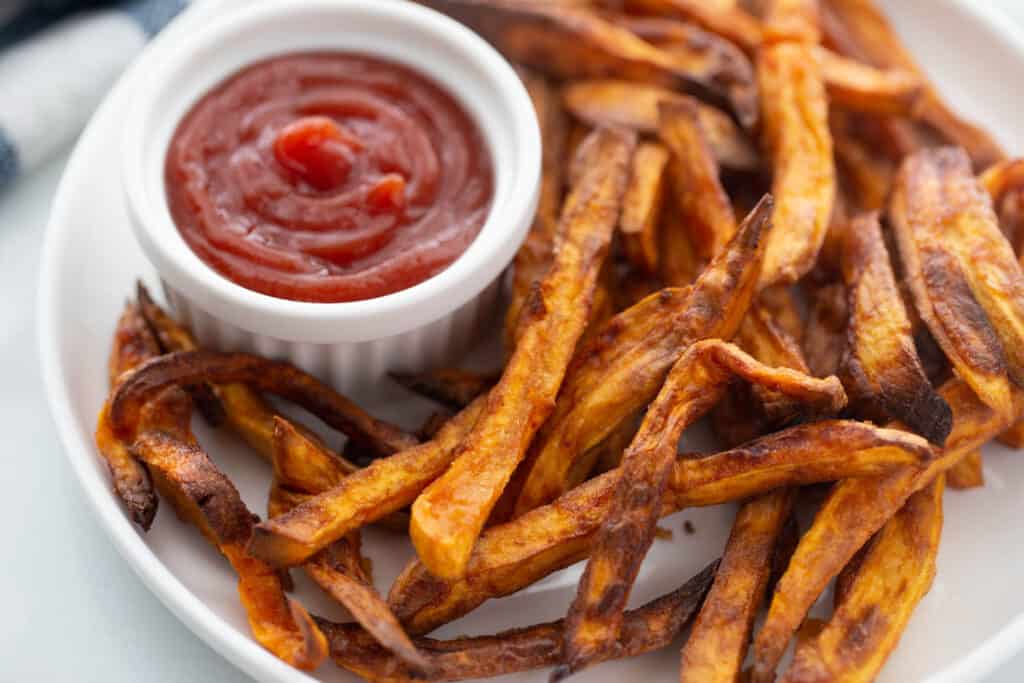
450,387
718,641
881,369
967,284
699,193
642,206
858,87
274,377
625,364
514,555
895,574
693,387
448,516
854,511
133,345
574,42
385,486
648,628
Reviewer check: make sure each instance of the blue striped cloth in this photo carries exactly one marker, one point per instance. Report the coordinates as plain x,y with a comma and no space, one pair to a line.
58,58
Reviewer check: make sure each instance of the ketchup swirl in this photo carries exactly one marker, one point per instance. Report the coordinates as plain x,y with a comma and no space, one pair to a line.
328,177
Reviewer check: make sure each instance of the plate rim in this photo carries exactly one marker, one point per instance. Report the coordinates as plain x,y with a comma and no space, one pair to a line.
236,647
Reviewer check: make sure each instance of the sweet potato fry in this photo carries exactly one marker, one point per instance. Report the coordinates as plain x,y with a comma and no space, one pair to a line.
450,387
696,383
699,194
449,515
825,334
679,262
572,42
858,87
624,365
854,511
648,628
797,139
275,377
728,21
387,485
534,257
881,369
514,555
966,281
635,106
868,172
642,206
790,21
133,345
895,574
969,473
202,495
720,635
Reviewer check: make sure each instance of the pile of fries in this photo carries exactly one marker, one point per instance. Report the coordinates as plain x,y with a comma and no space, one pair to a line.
873,281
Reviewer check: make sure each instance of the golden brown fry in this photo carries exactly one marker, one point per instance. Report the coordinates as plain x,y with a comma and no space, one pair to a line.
133,345
699,194
825,334
696,383
572,42
797,139
275,377
895,574
858,87
202,495
727,20
450,387
868,172
623,367
783,307
966,281
647,628
386,486
635,106
679,262
534,257
855,510
514,555
969,473
448,516
791,21
642,206
718,641
881,369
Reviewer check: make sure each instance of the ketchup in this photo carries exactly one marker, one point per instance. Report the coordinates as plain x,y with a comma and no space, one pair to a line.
328,177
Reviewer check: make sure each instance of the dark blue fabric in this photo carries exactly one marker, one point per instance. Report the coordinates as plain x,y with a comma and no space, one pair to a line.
8,160
152,15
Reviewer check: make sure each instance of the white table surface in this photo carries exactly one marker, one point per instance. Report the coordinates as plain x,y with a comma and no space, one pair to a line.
73,610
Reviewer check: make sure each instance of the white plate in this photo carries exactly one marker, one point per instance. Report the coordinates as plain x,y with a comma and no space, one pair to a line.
972,620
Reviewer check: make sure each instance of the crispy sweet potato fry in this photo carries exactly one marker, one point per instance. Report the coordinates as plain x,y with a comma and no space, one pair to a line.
726,20
705,206
573,42
624,365
825,334
895,574
133,345
647,628
968,473
797,139
279,378
696,383
642,204
720,635
680,264
514,555
868,172
202,495
854,511
881,369
966,281
450,387
449,515
635,105
858,87
387,485
788,21
534,257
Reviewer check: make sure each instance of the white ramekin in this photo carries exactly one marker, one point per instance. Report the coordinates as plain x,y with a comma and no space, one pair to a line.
349,344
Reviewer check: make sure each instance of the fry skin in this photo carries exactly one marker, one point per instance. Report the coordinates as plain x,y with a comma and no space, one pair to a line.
448,516
642,206
647,628
965,279
895,574
854,511
693,387
881,369
635,106
624,365
718,641
700,196
514,555
858,87
451,387
797,139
